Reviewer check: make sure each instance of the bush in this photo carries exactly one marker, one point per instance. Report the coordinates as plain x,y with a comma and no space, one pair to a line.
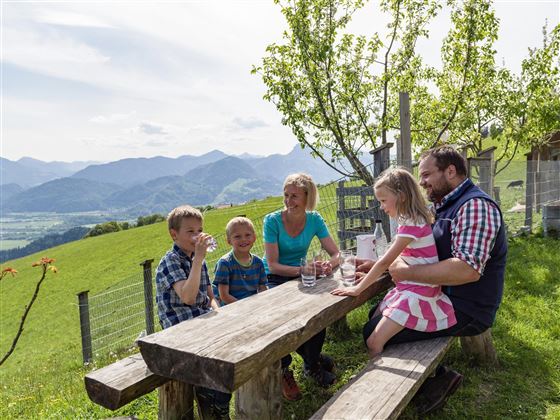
149,220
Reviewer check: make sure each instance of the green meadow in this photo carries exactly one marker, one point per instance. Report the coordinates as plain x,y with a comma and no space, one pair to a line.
44,376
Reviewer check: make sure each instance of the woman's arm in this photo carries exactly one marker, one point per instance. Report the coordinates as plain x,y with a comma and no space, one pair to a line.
330,246
272,256
379,268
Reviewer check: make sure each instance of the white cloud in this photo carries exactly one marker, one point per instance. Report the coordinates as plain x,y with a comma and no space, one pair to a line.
112,118
249,123
55,17
151,129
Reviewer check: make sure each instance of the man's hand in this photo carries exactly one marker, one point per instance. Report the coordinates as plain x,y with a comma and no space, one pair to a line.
397,270
363,265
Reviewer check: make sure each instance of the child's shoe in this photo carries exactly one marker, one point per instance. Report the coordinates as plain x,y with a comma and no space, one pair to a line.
290,388
327,362
323,377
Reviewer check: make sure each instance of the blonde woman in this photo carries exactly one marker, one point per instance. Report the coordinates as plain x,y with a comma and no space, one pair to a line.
287,236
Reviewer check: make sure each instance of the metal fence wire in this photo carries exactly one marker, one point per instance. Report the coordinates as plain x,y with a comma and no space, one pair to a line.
117,317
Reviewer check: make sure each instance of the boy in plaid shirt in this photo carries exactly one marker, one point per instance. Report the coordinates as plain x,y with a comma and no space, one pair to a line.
183,289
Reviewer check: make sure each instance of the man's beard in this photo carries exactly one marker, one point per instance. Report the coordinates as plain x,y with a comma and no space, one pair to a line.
438,193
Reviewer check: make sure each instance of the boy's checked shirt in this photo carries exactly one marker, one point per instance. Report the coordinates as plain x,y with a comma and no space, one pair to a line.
175,266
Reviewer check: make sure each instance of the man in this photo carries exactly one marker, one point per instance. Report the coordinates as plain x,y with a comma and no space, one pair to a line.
472,247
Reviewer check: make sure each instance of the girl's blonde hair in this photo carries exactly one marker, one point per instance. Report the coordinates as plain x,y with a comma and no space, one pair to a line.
411,204
305,182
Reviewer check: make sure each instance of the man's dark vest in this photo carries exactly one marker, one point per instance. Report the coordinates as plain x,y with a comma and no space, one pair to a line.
480,299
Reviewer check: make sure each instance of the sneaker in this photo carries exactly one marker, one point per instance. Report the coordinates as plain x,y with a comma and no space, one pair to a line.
326,362
323,377
290,388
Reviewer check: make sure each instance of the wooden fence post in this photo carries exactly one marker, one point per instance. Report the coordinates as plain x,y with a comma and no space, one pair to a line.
85,330
404,147
148,296
529,191
381,161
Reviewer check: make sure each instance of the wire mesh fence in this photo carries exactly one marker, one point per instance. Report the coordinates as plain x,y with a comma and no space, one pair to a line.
119,315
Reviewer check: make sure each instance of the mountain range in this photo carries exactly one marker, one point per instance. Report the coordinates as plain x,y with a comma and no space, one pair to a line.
138,186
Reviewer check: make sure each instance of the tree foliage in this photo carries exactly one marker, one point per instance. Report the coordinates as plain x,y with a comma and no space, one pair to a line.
338,92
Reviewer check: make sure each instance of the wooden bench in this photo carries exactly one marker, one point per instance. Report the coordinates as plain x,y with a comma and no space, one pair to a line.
387,384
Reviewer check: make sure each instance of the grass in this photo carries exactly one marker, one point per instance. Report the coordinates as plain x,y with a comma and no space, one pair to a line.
44,377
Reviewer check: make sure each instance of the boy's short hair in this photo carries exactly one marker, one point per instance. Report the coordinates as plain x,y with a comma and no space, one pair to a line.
176,215
238,221
304,181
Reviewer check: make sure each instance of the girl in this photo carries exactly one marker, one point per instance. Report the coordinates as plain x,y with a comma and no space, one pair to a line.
418,306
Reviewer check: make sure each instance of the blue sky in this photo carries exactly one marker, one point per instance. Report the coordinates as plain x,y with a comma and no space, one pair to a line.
104,80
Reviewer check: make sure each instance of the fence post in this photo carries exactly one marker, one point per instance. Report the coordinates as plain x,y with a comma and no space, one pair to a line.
148,296
529,191
404,147
83,307
380,163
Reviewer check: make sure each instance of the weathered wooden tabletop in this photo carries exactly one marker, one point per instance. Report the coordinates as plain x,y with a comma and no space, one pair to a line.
225,348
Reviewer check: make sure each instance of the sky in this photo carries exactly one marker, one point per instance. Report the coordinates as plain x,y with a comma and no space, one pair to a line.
107,80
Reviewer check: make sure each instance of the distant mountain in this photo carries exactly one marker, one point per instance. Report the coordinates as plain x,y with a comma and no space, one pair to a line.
298,160
7,190
60,169
227,180
63,195
136,171
146,185
15,173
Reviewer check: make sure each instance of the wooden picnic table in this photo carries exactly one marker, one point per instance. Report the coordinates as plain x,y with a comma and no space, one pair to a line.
239,346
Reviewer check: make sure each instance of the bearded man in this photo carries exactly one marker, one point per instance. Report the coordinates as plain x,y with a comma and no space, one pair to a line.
472,248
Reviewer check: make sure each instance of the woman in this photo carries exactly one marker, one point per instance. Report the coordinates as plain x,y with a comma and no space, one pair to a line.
287,235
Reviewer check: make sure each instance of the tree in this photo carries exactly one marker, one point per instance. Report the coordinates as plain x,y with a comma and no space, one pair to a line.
338,92
326,83
46,265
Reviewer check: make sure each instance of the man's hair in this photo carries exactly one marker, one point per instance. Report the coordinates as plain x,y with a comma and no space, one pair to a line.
305,182
176,215
238,221
445,156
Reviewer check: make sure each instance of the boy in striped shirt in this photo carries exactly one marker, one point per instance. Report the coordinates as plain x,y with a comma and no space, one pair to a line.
239,273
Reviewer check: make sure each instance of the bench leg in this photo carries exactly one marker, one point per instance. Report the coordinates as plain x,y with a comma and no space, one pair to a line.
175,401
481,348
261,397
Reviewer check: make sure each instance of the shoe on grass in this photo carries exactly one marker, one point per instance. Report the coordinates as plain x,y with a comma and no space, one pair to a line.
290,389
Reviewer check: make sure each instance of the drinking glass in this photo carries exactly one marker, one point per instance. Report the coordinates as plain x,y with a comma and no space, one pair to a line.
348,267
322,257
211,243
308,272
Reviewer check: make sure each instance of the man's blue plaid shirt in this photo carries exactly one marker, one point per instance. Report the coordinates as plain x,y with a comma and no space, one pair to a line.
173,267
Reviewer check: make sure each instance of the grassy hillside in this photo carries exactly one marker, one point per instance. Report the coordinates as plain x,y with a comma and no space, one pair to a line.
44,377
47,361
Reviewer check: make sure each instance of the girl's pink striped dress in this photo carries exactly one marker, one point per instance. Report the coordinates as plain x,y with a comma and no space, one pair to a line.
418,306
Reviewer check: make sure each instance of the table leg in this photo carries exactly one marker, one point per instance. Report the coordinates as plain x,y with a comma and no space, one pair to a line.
261,397
175,401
